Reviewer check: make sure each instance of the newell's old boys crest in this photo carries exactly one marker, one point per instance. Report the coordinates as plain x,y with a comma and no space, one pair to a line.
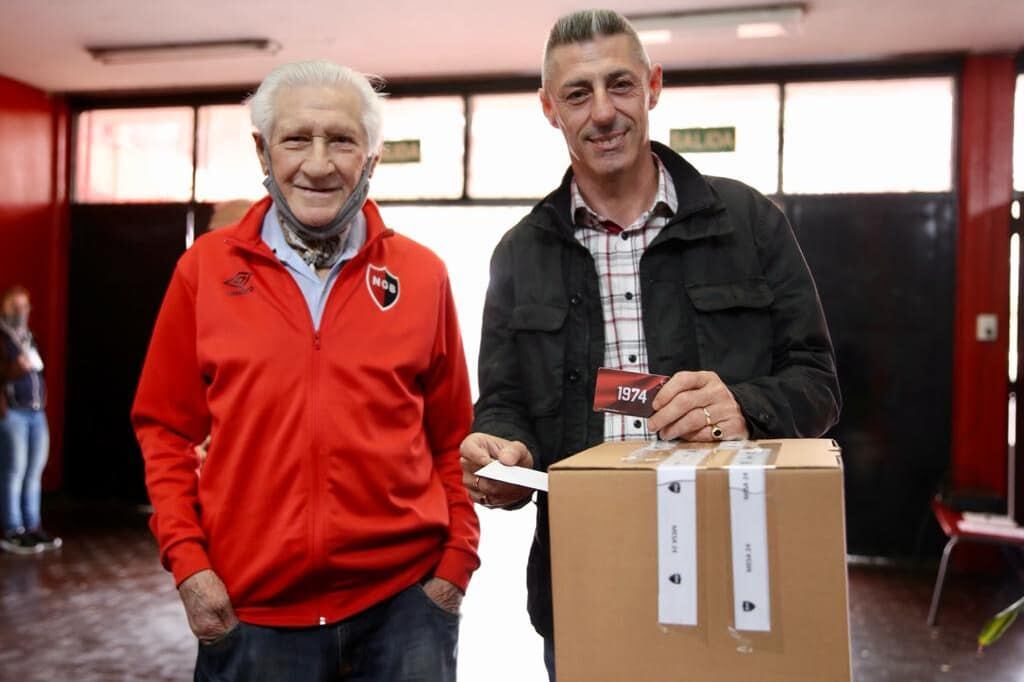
383,286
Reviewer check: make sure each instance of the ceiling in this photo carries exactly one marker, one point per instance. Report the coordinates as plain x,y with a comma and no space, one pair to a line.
42,41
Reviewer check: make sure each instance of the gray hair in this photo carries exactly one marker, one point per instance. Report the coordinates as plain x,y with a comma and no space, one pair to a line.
317,73
586,25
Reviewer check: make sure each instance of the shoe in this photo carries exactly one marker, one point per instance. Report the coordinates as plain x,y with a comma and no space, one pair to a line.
44,539
20,543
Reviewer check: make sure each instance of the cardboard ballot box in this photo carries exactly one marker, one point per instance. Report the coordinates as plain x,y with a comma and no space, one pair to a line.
700,563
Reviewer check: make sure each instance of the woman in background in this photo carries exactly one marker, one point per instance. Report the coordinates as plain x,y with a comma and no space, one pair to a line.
24,434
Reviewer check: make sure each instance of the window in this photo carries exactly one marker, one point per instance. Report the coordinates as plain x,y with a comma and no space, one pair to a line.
514,151
747,114
869,136
134,155
436,126
227,166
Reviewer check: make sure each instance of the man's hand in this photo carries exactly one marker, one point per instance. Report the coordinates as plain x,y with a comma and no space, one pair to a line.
479,450
207,606
202,450
692,404
444,594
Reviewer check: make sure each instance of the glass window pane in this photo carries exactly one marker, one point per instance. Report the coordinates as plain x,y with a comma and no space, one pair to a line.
869,136
751,111
514,152
464,237
439,124
227,166
126,155
1018,136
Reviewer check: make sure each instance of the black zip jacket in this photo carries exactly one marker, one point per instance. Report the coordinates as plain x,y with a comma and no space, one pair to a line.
724,287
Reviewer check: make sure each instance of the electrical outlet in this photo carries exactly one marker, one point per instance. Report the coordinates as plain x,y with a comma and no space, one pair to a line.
987,327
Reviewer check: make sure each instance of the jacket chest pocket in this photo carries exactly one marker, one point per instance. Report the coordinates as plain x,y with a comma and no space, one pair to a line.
734,327
539,331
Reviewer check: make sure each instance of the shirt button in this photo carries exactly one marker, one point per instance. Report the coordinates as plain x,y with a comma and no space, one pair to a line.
576,299
637,424
629,295
574,376
632,358
625,236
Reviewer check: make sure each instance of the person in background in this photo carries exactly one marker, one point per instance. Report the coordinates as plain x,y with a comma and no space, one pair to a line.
637,262
326,533
24,433
228,213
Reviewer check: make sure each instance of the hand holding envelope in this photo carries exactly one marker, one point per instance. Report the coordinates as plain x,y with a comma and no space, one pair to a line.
480,449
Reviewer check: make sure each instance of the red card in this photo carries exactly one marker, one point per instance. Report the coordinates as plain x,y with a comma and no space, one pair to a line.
624,392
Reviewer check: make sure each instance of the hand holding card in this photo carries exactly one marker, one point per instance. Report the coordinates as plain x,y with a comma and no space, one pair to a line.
624,392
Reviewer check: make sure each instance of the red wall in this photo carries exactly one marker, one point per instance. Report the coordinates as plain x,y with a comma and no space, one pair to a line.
983,273
34,233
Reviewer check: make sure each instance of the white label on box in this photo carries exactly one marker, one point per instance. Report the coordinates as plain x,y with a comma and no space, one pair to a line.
677,537
748,516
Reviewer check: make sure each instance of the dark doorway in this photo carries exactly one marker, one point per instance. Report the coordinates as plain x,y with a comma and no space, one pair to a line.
122,257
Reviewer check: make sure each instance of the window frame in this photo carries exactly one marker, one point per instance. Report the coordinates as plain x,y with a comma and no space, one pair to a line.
940,66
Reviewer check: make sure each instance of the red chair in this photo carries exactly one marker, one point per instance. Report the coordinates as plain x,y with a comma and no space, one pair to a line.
957,530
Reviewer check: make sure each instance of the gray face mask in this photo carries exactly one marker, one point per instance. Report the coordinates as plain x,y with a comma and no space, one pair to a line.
18,320
353,204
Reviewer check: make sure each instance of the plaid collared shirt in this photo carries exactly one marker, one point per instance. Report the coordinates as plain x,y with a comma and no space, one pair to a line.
617,251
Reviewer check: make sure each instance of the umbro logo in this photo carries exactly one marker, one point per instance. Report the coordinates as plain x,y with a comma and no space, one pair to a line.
238,284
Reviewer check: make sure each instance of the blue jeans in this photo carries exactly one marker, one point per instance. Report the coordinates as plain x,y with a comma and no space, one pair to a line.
24,447
407,638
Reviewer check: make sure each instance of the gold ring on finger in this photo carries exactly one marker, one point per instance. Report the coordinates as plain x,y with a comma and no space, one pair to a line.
707,417
716,432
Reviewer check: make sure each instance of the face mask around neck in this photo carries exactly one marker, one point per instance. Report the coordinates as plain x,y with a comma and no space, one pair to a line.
353,204
17,320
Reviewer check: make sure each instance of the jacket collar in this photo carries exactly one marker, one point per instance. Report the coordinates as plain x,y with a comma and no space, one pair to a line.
694,194
247,232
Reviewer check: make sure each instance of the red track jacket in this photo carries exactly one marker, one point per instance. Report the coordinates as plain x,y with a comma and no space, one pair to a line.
332,480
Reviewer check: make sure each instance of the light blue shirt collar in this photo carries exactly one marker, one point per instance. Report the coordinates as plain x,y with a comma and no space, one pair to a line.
314,290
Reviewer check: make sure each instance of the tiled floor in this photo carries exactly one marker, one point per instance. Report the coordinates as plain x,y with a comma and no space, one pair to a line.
103,609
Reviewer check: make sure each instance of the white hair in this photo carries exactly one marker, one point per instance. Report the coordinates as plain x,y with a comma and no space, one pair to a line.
317,73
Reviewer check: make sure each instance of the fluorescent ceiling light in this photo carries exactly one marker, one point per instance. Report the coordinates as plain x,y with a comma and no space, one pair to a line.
766,21
654,37
172,52
766,29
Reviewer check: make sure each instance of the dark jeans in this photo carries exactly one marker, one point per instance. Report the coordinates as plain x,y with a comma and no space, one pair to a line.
407,638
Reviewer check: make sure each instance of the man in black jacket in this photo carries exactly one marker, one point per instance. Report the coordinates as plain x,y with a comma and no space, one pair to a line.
637,262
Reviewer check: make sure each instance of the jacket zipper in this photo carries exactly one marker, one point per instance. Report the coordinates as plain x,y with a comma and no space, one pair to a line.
319,559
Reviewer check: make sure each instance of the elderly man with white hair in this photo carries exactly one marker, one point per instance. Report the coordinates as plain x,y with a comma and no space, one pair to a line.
326,534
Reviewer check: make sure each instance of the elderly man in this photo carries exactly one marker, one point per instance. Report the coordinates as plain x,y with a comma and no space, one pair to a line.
637,262
326,534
